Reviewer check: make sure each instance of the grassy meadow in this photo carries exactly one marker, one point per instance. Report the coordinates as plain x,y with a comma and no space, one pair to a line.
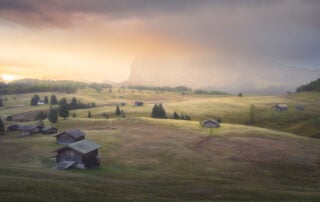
145,159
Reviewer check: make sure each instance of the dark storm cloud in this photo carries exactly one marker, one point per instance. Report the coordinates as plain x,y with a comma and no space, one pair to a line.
51,11
285,30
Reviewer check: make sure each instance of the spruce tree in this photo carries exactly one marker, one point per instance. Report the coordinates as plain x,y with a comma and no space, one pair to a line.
63,101
155,111
53,115
74,103
118,112
53,100
34,100
46,100
2,129
64,111
162,112
89,114
175,115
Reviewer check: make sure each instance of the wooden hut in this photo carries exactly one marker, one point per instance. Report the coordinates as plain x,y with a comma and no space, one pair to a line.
49,130
138,104
81,154
70,136
13,127
210,123
281,107
28,130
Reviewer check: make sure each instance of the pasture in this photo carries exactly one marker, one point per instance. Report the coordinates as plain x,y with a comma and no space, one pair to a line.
145,159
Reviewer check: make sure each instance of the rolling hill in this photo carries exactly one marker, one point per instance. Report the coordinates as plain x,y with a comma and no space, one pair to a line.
165,160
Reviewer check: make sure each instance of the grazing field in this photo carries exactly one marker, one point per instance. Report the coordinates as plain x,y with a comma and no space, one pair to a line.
230,108
145,159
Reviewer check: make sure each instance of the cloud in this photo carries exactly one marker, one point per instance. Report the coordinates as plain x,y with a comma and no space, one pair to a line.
287,31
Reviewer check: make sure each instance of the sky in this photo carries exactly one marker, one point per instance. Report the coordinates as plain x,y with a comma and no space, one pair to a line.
101,40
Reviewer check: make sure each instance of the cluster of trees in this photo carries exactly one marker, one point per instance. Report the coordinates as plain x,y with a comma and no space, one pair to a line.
74,104
35,85
209,92
41,115
64,107
181,116
119,111
36,98
158,112
312,86
156,88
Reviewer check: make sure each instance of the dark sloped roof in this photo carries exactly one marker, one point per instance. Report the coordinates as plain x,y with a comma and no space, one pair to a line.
210,123
27,127
48,128
83,146
75,133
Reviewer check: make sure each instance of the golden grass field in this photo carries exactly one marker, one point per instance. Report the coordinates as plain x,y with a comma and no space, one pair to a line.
145,159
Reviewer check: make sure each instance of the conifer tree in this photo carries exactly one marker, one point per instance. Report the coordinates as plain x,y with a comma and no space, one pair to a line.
2,129
53,115
74,103
53,100
175,115
162,112
46,100
155,111
64,111
34,100
118,112
89,114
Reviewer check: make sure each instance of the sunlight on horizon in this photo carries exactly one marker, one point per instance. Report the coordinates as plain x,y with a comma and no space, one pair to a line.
10,77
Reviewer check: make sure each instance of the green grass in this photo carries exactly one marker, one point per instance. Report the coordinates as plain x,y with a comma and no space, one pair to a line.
231,109
148,159
145,159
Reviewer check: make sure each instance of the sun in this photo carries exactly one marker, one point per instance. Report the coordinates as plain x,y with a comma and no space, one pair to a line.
9,77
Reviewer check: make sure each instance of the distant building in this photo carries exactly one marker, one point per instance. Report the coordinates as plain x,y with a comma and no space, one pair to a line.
81,154
70,136
299,108
138,104
28,130
41,102
210,123
281,107
13,127
49,130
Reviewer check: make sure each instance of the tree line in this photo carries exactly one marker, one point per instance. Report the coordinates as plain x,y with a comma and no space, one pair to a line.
159,112
312,86
209,92
159,88
35,85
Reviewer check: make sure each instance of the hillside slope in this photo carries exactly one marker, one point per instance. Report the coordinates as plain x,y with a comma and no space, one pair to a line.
146,159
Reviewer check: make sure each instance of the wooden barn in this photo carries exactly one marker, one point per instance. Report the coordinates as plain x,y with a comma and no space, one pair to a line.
138,104
28,130
210,123
70,136
281,107
49,130
81,154
13,127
